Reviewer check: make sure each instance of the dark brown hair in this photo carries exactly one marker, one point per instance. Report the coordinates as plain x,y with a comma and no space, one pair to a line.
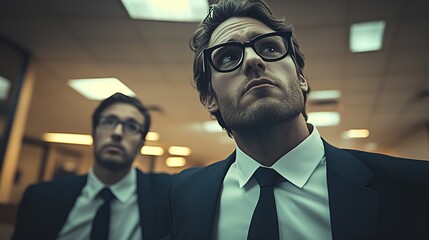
121,98
220,12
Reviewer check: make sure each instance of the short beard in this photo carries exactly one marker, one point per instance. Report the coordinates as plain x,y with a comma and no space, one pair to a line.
112,165
264,117
269,114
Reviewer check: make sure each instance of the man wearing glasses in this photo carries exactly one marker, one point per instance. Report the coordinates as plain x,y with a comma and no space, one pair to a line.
283,181
114,200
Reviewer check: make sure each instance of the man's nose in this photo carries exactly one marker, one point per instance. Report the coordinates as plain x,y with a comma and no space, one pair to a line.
118,130
252,62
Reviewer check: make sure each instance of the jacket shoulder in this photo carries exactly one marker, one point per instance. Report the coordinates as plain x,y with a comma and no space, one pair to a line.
48,188
156,176
405,169
191,176
154,182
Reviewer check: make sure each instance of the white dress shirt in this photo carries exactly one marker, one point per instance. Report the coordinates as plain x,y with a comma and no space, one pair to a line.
124,216
301,201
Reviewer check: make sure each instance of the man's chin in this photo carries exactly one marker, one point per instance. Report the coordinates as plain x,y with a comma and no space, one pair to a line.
114,165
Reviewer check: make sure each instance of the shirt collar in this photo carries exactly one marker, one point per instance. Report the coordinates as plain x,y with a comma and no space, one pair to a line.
123,189
296,166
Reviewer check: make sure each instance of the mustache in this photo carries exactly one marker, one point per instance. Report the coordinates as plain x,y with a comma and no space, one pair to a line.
113,145
242,89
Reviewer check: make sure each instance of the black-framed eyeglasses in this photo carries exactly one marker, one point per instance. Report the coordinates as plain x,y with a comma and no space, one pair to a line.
130,127
227,57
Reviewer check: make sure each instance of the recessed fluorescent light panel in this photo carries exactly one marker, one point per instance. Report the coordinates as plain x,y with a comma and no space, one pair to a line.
325,95
367,36
152,150
212,126
324,119
68,138
175,161
167,10
99,88
355,133
152,136
4,88
178,150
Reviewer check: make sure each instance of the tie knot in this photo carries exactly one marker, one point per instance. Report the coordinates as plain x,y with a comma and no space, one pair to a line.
266,177
106,194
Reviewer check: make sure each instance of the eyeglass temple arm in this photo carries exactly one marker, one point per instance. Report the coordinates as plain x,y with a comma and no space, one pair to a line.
204,62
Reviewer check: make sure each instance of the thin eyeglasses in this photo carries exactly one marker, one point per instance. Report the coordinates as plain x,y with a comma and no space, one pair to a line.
130,127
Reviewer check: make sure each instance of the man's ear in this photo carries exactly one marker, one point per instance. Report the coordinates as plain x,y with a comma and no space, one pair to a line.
303,82
211,104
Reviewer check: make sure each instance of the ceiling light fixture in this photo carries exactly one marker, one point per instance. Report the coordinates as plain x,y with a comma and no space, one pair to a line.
175,161
180,151
167,10
367,36
324,119
212,126
152,150
152,136
68,138
4,88
99,88
325,95
355,133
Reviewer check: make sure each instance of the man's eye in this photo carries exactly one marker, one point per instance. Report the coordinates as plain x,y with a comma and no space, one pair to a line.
226,56
132,126
227,59
270,49
108,121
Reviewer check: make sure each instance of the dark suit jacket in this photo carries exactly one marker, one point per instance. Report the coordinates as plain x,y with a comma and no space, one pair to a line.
45,206
371,196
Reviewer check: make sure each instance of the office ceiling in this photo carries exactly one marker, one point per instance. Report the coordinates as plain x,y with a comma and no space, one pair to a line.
384,91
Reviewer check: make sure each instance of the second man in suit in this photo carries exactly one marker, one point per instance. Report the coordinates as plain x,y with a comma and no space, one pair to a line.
114,200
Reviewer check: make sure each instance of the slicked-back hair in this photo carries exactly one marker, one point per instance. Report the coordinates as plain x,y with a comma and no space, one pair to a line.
219,12
122,98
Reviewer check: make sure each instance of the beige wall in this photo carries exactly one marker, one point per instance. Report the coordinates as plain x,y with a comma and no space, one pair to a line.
28,169
414,145
31,159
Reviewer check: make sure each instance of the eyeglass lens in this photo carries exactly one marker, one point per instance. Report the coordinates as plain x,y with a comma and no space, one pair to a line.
110,123
231,55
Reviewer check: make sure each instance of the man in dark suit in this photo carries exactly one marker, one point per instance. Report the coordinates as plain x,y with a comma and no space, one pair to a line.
76,207
283,181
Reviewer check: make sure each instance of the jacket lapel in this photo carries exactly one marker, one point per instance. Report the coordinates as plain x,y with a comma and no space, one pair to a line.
353,206
69,193
204,200
146,203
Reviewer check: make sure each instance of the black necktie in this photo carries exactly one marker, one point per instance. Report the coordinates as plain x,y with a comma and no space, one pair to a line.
100,225
264,224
